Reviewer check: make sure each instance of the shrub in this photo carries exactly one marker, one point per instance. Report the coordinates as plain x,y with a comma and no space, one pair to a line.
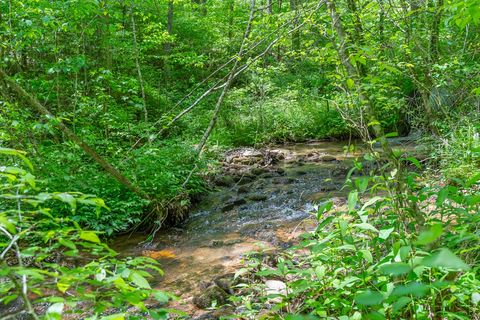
47,258
392,253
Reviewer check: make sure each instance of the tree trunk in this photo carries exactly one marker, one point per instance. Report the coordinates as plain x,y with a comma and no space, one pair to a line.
229,81
137,65
435,32
170,17
356,77
104,34
295,35
170,11
381,22
203,9
358,31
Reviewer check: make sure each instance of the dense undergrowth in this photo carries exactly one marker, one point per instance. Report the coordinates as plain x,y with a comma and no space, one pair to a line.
112,98
405,246
52,268
101,66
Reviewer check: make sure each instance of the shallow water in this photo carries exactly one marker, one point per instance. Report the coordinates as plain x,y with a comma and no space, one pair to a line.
265,212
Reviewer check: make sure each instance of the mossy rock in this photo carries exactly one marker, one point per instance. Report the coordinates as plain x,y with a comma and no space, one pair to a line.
257,197
224,181
210,295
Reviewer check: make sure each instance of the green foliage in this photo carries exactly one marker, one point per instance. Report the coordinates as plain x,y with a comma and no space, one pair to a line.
458,151
47,258
375,260
279,106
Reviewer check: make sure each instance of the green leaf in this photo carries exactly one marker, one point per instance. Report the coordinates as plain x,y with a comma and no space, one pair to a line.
429,236
445,258
442,196
366,226
320,271
404,251
325,207
415,162
161,297
19,154
362,183
367,255
352,200
400,303
350,83
89,236
7,224
369,298
391,135
94,201
67,198
361,59
324,223
34,273
63,286
473,180
117,316
395,269
371,201
375,315
417,289
7,299
67,243
139,280
385,233
30,179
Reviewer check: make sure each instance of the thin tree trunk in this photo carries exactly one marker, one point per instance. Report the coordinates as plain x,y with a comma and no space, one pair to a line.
203,9
358,31
104,33
435,35
139,69
270,6
356,77
402,193
229,81
295,35
170,17
88,150
381,22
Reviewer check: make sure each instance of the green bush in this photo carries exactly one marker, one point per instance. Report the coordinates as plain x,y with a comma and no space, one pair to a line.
390,254
457,151
47,258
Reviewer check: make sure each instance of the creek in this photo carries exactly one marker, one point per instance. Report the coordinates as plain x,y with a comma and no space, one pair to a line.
262,200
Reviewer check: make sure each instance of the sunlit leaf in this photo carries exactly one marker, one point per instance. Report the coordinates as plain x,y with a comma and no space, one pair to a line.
139,280
430,235
89,236
445,258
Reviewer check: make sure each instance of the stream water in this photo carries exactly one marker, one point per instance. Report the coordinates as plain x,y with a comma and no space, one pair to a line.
265,206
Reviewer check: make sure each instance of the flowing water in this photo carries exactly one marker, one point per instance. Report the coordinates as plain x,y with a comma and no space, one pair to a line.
266,210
